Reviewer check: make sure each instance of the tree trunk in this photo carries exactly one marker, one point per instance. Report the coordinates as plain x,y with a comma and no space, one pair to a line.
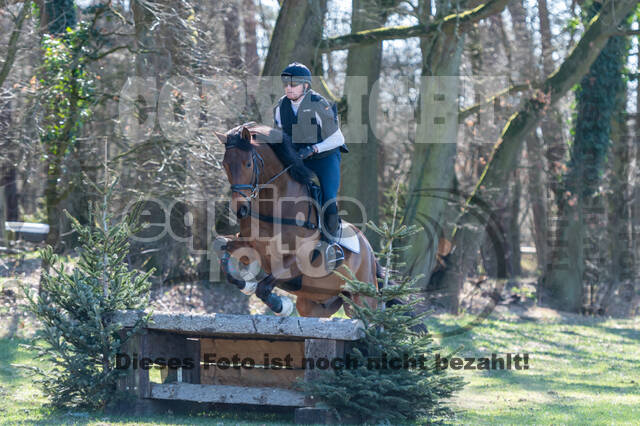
3,239
432,170
595,109
504,156
55,17
162,54
537,199
297,33
523,58
360,166
517,59
251,60
513,235
635,196
619,207
8,166
232,34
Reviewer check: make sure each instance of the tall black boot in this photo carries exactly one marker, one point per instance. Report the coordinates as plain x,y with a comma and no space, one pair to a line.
334,254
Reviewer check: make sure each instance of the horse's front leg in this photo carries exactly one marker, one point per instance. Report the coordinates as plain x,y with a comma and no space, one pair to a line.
281,306
240,262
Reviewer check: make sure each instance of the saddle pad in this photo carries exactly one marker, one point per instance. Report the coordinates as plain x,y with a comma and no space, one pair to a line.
348,237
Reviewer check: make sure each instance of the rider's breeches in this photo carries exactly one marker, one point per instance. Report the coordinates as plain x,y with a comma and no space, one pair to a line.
328,171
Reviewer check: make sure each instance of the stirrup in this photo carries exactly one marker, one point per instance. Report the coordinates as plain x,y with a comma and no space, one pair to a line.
338,256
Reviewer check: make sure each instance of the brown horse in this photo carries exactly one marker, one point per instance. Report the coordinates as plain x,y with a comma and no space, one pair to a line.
279,227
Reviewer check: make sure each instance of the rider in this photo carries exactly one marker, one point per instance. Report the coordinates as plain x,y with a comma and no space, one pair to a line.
312,123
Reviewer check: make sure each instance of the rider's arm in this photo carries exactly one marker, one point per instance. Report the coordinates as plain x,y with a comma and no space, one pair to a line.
327,118
333,141
277,121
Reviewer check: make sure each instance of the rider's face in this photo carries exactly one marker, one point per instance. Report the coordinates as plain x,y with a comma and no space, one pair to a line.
294,91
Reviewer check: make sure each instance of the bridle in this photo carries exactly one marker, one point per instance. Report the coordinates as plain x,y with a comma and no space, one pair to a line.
255,187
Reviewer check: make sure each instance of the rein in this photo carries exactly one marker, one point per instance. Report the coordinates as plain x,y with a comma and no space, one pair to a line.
255,187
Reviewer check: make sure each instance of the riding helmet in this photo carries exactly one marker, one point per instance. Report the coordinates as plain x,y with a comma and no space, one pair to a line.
297,72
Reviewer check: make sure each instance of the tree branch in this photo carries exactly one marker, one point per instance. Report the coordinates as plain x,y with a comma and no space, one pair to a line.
628,33
464,113
574,67
503,159
461,20
13,42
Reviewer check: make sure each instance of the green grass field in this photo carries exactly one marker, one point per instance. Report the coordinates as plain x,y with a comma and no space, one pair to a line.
582,371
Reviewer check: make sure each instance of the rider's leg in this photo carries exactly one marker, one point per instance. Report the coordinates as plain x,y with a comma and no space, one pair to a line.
328,171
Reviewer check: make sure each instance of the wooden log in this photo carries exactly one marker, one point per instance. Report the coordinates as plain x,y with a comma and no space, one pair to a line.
249,325
260,351
227,394
251,377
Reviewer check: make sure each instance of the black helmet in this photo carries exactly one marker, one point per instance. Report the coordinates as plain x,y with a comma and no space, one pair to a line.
297,73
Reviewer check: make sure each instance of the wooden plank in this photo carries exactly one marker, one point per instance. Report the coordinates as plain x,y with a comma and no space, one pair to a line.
193,351
127,383
142,376
227,394
251,377
249,325
322,352
254,349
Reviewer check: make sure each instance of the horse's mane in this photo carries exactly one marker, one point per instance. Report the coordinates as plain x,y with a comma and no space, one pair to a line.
279,142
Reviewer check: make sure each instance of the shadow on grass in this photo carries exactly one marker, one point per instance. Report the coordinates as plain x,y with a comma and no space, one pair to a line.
552,413
178,414
11,353
628,333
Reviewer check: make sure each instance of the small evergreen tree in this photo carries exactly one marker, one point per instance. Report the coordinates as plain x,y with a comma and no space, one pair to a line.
373,392
80,341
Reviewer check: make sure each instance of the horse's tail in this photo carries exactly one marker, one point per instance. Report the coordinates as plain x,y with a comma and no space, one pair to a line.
380,274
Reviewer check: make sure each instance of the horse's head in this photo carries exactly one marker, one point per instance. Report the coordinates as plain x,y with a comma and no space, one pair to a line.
243,165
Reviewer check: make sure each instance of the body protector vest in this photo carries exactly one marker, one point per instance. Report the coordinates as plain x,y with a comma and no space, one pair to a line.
316,121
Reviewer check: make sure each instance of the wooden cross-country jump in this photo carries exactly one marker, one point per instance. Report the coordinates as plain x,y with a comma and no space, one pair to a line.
231,359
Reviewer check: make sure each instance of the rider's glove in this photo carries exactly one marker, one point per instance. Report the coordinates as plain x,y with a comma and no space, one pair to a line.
306,152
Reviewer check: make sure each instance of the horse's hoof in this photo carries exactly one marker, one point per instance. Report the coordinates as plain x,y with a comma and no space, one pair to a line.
287,307
249,287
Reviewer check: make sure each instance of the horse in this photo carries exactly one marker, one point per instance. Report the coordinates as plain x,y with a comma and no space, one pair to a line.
280,229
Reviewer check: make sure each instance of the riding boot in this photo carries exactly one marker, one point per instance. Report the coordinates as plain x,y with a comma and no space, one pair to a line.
334,254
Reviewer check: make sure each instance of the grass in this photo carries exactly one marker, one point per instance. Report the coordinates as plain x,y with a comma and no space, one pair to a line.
582,371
